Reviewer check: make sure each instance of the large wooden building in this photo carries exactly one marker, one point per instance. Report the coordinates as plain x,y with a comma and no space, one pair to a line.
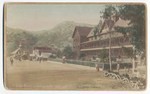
79,36
91,45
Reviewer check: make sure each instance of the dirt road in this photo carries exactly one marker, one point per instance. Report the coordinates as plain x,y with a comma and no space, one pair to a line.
57,76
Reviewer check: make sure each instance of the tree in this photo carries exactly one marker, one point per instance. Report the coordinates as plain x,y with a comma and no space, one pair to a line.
17,37
109,10
103,55
82,55
68,51
136,15
96,30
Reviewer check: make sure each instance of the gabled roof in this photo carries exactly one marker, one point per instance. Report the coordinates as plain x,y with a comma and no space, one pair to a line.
92,30
17,50
91,33
83,30
119,23
122,23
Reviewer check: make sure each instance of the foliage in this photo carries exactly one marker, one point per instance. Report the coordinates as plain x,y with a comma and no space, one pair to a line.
109,10
103,55
128,52
79,62
60,35
122,30
59,53
96,30
136,15
82,56
15,37
68,51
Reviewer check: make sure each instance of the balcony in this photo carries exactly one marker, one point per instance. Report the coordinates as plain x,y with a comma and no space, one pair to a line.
119,41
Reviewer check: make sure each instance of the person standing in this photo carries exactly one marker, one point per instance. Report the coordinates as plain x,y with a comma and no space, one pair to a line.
64,59
11,60
118,63
97,63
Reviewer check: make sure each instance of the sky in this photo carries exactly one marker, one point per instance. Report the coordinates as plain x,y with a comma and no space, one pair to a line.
36,17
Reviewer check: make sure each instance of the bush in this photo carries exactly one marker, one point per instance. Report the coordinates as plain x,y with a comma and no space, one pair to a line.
78,62
104,66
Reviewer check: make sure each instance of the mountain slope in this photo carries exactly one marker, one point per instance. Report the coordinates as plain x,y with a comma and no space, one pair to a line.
60,36
15,37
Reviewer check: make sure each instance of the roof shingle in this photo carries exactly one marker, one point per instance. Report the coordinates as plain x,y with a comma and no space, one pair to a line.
83,30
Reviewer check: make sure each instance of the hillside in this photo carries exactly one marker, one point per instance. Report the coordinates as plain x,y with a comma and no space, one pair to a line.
16,36
60,36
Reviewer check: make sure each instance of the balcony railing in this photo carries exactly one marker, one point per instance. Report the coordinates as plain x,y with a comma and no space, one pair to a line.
121,41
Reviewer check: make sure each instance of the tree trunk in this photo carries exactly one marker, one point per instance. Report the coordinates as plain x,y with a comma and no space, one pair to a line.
110,63
133,65
133,60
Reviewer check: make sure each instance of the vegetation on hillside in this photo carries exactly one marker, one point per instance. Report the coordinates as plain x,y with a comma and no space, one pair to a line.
59,37
15,37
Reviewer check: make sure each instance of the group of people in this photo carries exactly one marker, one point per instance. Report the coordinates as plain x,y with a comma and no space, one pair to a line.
13,58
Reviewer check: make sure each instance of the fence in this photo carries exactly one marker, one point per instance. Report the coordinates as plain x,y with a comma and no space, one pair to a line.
103,66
